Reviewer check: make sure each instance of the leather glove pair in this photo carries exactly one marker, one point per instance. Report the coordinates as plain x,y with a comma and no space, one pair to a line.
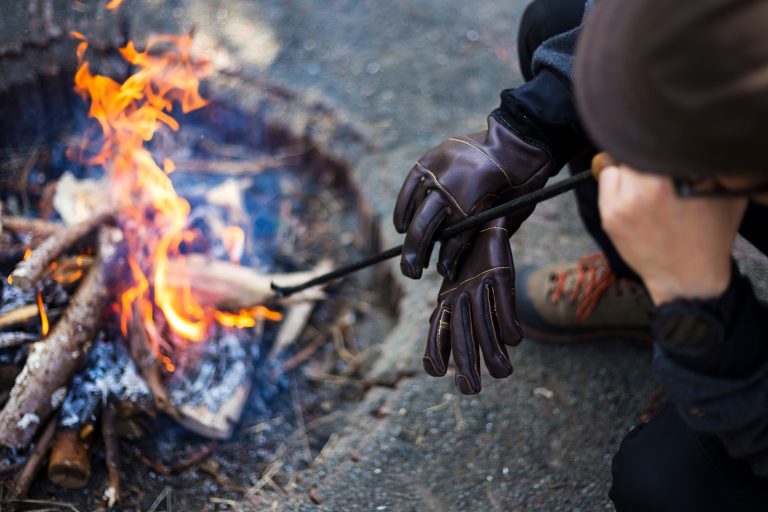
475,309
476,313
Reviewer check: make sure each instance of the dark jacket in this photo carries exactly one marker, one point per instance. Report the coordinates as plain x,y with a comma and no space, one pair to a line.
723,389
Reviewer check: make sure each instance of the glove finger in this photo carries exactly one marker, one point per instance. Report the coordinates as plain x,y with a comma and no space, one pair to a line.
452,254
502,306
465,348
408,199
438,349
488,331
419,240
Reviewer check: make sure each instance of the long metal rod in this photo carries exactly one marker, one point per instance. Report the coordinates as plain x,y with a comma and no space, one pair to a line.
474,221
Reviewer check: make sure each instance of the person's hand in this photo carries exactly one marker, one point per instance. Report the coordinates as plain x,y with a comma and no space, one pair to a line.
680,247
460,177
476,313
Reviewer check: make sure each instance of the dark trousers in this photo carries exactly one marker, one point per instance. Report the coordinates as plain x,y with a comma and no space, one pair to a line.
663,465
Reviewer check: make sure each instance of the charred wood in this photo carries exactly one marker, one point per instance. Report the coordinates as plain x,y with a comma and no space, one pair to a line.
53,361
211,386
112,450
143,356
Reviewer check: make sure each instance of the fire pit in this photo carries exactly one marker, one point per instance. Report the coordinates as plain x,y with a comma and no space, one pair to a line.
141,350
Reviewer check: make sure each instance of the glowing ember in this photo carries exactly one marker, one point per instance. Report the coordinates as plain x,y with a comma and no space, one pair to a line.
150,212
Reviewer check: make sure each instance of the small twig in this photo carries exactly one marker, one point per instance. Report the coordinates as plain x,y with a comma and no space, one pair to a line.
191,460
20,315
24,480
305,353
160,497
11,468
58,504
112,454
300,418
236,506
266,477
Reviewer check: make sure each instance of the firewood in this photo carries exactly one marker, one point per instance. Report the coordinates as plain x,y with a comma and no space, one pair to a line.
144,356
70,462
53,361
230,287
211,385
293,324
29,271
24,480
112,450
36,229
18,316
14,339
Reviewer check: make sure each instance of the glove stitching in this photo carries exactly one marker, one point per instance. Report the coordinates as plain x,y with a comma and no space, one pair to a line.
441,324
492,228
486,155
473,277
491,326
442,188
466,323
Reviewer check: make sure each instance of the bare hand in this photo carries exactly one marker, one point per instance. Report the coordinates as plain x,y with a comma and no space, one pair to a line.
680,247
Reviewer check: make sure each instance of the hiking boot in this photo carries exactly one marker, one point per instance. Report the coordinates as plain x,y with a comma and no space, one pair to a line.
581,301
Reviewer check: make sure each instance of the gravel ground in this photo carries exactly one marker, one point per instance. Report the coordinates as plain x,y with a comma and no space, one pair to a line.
410,73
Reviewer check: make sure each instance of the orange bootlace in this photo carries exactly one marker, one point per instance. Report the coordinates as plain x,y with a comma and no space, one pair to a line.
593,280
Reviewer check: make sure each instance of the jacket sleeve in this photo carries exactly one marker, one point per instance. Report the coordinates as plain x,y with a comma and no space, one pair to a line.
723,389
542,111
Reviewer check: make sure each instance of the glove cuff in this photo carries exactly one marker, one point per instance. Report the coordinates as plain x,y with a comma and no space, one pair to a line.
542,112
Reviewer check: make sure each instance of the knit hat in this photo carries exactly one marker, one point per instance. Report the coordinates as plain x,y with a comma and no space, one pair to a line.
677,87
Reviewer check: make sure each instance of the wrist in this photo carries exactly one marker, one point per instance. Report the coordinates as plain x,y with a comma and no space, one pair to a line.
664,289
542,112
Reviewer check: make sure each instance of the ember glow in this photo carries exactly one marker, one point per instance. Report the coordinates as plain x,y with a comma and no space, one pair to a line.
149,210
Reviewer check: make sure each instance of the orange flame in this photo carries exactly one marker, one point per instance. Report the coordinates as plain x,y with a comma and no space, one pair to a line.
152,215
43,315
113,5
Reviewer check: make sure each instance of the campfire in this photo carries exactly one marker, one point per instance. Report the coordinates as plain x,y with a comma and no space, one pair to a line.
139,303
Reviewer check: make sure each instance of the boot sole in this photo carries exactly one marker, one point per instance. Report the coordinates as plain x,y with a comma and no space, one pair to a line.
637,336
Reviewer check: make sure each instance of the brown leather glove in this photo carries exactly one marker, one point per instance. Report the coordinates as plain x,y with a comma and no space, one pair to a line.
460,177
476,312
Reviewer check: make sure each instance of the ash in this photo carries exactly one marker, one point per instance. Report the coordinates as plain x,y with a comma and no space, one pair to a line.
207,373
108,372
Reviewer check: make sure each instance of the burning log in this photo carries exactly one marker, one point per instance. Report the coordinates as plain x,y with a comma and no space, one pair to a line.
29,271
70,462
144,357
211,386
230,287
53,361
